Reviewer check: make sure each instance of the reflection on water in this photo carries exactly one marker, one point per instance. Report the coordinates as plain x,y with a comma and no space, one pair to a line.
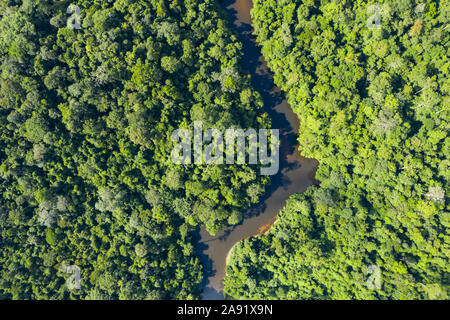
295,175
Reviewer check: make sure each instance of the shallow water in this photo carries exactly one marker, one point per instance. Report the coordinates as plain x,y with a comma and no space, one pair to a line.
296,172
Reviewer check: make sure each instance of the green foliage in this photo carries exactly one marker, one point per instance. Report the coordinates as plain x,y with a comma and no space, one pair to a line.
86,117
373,107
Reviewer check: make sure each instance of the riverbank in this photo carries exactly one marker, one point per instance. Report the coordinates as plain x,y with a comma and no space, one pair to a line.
264,230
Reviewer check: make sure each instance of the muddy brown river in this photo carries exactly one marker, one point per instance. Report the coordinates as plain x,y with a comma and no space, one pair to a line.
296,172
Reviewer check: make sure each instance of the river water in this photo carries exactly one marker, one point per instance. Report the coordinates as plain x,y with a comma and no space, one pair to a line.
296,172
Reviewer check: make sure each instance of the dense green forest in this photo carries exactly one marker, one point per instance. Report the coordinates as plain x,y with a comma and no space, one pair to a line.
86,117
86,177
373,105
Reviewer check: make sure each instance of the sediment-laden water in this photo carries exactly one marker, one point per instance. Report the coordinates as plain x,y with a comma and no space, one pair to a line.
296,172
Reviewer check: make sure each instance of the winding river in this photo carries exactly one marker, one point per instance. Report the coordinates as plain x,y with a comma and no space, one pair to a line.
296,172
